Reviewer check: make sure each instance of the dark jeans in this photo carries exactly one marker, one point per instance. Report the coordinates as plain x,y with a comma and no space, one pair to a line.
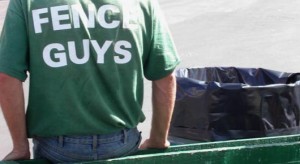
86,148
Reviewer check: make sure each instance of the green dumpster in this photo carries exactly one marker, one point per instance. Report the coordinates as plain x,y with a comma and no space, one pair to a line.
269,150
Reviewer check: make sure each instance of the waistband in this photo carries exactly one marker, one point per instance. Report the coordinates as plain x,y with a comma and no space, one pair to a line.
92,139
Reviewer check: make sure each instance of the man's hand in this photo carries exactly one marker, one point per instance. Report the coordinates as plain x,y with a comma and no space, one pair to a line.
148,144
19,154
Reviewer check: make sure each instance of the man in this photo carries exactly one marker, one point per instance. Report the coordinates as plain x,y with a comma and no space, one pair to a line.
86,61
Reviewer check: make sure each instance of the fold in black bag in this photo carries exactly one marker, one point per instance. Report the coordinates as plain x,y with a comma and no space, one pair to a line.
223,103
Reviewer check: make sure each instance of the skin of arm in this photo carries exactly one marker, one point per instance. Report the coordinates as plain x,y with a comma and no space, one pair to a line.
163,99
13,108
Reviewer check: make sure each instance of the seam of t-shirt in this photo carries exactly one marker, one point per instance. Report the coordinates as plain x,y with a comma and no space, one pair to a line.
13,73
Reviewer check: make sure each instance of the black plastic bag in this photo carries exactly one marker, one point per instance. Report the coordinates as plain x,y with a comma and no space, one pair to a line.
224,103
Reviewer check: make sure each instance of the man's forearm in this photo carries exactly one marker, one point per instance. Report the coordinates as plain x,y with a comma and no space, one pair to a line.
164,91
13,108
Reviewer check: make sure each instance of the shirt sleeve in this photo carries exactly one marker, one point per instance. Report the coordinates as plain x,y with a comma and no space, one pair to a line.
13,42
162,58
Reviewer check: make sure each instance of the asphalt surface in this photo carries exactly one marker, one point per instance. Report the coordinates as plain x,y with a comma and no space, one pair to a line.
239,33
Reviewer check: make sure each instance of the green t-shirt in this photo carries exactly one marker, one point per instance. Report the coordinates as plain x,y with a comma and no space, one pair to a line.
86,61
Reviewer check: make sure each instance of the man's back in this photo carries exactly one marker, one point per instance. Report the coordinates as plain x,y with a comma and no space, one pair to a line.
86,61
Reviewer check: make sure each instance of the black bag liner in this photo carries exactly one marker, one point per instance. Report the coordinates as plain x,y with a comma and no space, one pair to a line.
223,103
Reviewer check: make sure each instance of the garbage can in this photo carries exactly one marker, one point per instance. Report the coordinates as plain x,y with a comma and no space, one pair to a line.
225,103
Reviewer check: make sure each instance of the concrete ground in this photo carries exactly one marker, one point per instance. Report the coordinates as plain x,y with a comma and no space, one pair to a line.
240,33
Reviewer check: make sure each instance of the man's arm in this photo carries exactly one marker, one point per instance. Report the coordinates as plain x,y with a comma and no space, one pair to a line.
163,98
13,108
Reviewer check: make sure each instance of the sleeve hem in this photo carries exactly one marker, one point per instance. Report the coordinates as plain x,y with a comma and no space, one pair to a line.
164,73
22,77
